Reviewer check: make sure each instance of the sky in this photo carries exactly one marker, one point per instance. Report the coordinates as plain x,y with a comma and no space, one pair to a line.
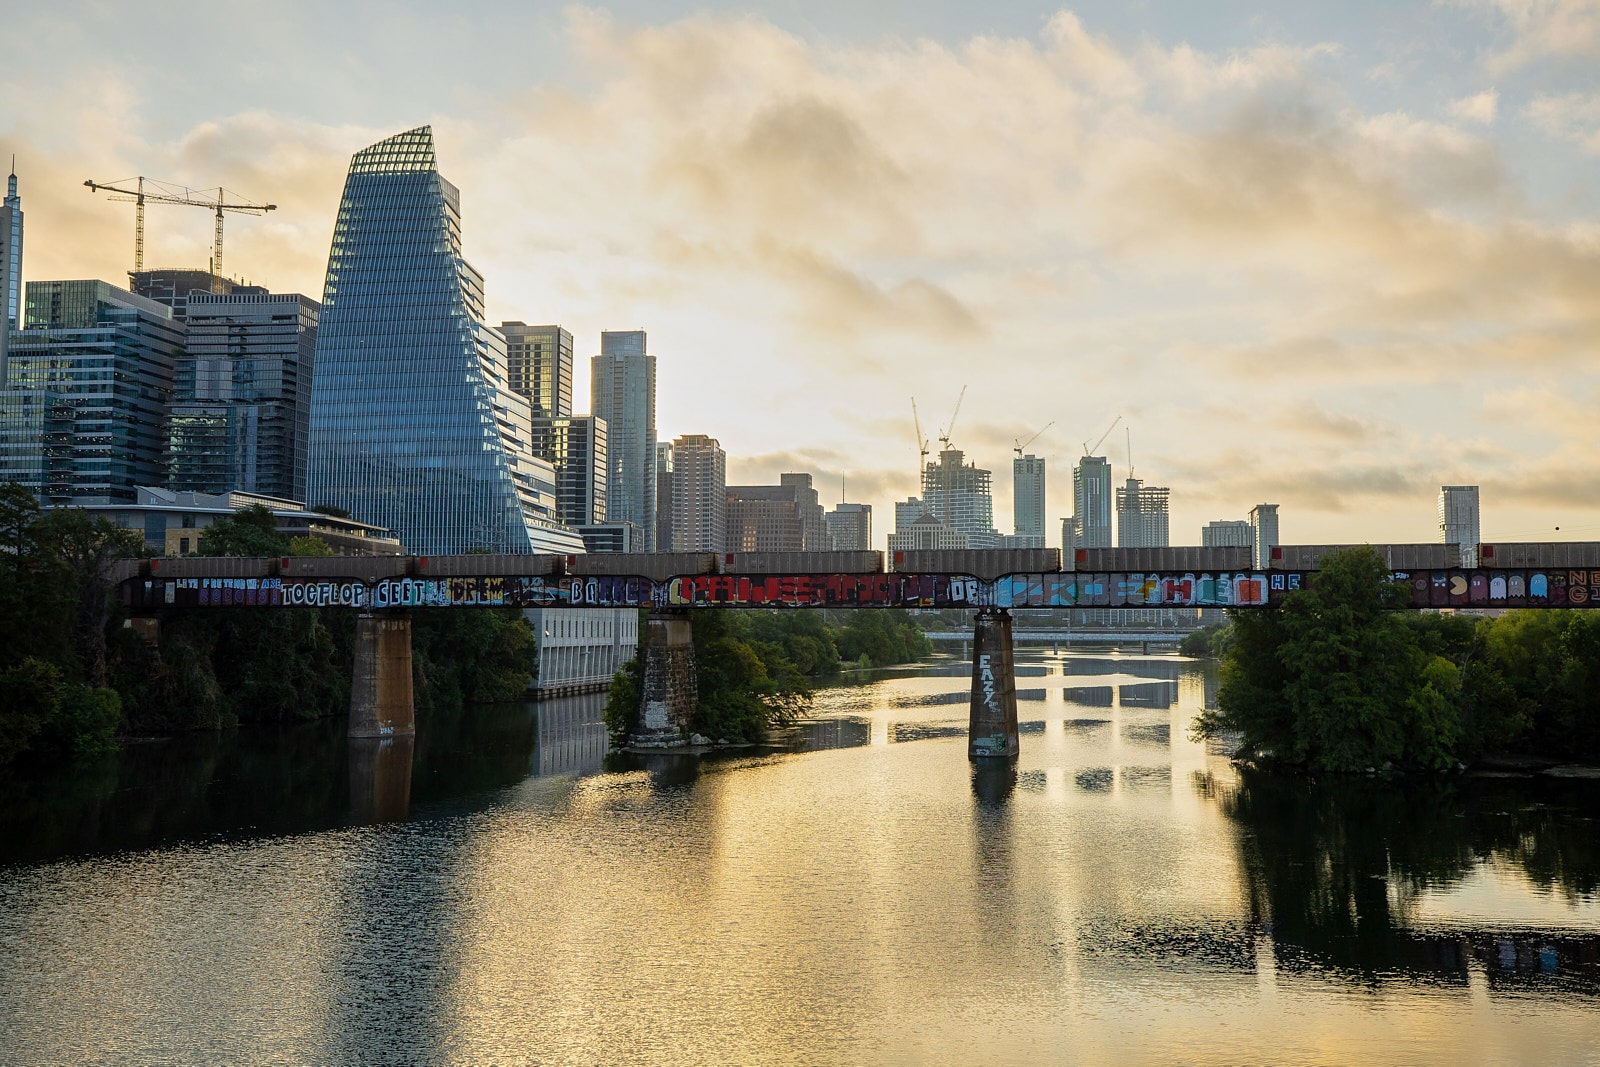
1328,256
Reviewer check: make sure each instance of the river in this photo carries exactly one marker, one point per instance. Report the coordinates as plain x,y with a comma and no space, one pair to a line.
506,891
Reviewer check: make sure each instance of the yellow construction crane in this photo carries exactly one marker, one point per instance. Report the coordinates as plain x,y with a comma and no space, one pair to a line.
148,190
1021,444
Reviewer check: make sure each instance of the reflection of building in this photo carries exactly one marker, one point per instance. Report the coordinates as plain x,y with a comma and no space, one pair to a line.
957,494
1027,500
850,527
414,424
1091,502
241,402
539,366
581,648
172,522
83,417
1458,520
776,518
1142,515
699,494
1225,533
1263,534
622,390
575,445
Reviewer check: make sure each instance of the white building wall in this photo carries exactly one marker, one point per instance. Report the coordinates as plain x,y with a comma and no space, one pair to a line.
581,648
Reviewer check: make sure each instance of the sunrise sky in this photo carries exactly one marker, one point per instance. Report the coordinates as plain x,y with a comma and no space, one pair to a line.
1326,256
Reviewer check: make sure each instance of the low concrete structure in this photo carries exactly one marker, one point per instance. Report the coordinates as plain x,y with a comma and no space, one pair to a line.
579,649
992,727
381,703
668,686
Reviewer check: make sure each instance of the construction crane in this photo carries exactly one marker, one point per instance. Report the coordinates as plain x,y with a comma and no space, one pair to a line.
1020,444
922,444
148,190
944,437
1090,451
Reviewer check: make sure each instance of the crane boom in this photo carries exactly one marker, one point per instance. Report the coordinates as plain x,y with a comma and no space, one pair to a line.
1020,445
1090,451
922,444
944,438
148,190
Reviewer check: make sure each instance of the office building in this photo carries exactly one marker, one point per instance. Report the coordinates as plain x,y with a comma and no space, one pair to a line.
699,494
1091,501
925,533
1226,533
579,649
241,404
11,309
612,537
174,286
622,384
777,518
539,364
1069,538
414,425
957,494
83,417
663,539
1027,499
850,527
1458,520
174,521
1263,534
575,445
1142,515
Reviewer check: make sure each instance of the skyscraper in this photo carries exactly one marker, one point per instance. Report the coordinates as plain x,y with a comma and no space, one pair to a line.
10,265
576,447
1027,498
699,494
1458,520
1225,533
776,518
83,417
539,362
1091,501
957,494
664,467
1263,534
622,383
850,527
1142,515
241,404
414,425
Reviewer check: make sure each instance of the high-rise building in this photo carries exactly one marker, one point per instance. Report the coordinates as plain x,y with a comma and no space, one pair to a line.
699,494
622,383
1027,498
1142,515
663,539
241,404
414,425
83,418
1458,520
173,286
776,518
1069,538
925,533
850,527
1226,533
575,446
539,362
11,309
1091,501
1263,534
957,494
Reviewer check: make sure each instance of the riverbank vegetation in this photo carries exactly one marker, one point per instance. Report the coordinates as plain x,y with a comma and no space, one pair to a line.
73,678
1340,678
756,669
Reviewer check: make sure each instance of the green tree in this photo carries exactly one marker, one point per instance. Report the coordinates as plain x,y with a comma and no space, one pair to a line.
251,531
309,546
86,548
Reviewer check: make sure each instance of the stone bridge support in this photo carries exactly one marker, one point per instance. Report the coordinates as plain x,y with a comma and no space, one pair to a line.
668,686
381,703
992,729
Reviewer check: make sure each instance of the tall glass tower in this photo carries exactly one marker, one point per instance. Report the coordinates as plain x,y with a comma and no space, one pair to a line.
622,390
414,425
10,265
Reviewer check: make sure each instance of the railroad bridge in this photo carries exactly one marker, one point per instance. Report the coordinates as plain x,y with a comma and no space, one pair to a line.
672,586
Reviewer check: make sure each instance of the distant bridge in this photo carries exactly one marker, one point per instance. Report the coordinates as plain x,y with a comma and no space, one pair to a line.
1108,636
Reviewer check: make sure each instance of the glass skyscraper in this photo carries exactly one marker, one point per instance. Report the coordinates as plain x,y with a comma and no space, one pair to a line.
1091,502
414,424
540,363
622,384
10,265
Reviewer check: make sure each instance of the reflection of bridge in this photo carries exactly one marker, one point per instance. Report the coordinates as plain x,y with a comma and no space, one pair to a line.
1108,636
673,585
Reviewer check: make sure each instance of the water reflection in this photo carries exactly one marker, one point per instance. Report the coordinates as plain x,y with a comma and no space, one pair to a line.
380,778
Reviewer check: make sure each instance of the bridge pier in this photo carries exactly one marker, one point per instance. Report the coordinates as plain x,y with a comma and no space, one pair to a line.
668,685
381,703
992,728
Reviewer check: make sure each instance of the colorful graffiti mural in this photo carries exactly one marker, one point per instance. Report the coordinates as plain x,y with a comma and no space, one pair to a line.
1429,589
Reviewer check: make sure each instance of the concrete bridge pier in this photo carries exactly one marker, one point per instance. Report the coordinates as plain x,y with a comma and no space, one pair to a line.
381,703
380,778
992,729
669,687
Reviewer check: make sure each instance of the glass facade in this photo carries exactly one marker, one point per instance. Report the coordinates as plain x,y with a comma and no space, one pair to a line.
576,448
241,410
622,382
1091,502
10,268
414,425
539,363
83,418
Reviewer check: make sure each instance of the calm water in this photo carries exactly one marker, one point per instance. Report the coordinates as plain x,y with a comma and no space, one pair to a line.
518,896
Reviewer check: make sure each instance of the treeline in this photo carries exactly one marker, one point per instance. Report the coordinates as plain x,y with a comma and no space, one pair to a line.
73,678
756,669
1339,678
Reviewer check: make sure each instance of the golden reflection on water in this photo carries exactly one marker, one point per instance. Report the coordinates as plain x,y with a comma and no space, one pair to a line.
858,904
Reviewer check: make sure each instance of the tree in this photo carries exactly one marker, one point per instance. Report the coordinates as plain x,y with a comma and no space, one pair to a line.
86,549
250,531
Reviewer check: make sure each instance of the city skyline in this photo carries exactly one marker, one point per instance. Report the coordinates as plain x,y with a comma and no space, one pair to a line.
1375,273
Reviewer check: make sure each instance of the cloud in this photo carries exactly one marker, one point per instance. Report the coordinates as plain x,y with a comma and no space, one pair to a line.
1480,107
1565,30
1573,117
